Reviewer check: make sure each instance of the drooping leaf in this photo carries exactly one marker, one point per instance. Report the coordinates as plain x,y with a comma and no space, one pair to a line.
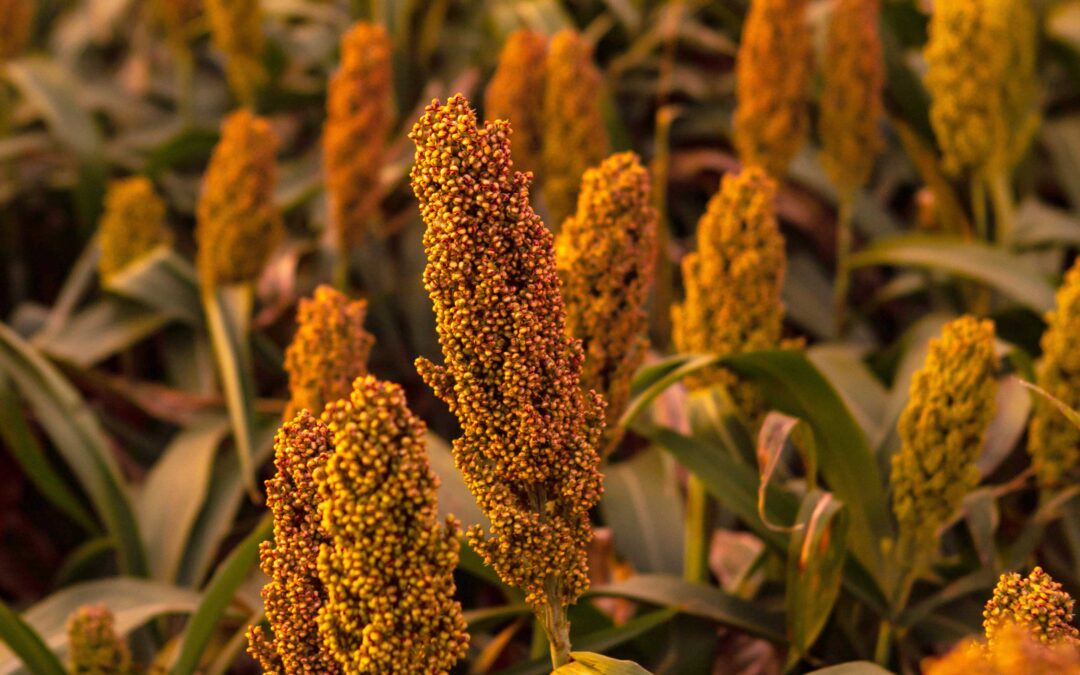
589,663
50,89
163,281
79,439
27,645
853,668
102,329
1010,275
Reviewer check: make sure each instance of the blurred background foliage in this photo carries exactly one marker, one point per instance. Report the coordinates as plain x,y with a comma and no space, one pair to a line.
120,479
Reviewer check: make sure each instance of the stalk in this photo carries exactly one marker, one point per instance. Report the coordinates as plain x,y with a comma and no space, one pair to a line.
557,626
1002,202
696,551
978,207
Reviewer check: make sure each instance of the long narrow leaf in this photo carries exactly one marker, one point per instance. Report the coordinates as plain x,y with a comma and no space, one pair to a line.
79,439
218,596
27,644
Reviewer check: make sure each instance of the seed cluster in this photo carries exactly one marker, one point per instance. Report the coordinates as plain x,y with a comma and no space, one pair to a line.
606,255
388,565
772,78
295,593
1035,603
733,283
16,20
1053,441
851,94
359,114
238,223
516,93
95,649
329,351
1016,653
575,136
236,27
981,77
511,373
942,429
132,225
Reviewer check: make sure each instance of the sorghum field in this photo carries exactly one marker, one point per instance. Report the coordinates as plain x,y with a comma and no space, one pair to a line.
734,337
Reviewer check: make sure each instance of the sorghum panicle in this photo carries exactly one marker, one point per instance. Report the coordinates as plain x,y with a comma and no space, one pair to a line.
606,254
981,77
329,351
238,223
575,136
772,84
851,97
389,563
16,20
733,282
94,647
516,94
236,27
1054,441
1015,653
179,18
359,114
942,429
132,225
295,594
1035,603
511,373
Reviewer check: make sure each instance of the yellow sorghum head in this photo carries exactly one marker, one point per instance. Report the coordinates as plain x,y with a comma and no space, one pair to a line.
606,254
388,567
981,77
512,375
294,594
575,136
179,19
359,113
772,78
132,225
943,427
1015,653
733,282
16,20
516,94
238,222
236,27
329,351
1035,603
1054,441
851,103
95,649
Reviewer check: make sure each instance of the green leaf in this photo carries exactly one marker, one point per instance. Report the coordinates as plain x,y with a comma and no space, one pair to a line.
163,281
104,328
27,451
641,501
864,395
133,602
51,91
1011,275
1038,224
168,507
651,381
27,644
79,439
1070,414
589,663
218,596
228,311
853,668
815,566
792,385
699,600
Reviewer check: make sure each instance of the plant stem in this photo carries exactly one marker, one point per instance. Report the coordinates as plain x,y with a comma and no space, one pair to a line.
978,207
842,283
1001,199
557,625
696,552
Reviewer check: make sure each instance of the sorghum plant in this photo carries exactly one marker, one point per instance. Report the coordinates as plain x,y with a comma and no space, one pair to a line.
359,113
575,136
1035,603
132,226
388,564
606,254
512,375
95,649
329,351
236,26
516,94
772,80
